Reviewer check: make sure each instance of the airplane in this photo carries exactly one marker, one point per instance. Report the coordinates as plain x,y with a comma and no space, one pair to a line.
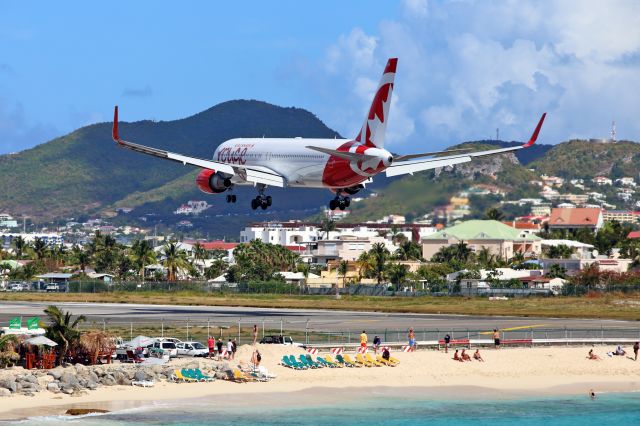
343,166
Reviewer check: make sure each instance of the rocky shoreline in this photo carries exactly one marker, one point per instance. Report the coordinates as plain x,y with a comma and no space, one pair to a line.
79,379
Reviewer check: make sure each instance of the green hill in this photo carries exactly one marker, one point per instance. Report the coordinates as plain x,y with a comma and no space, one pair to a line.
585,159
85,172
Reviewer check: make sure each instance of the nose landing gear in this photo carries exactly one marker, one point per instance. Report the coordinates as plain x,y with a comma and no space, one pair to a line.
231,198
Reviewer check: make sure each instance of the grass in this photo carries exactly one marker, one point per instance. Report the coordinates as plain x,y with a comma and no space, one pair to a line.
609,306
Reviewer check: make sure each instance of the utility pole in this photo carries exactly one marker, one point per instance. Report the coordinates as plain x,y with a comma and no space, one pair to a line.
497,133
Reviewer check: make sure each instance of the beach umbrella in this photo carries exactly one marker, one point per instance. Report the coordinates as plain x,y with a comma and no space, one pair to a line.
140,341
41,341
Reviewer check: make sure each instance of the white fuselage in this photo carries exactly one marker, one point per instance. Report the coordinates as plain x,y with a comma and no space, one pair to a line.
301,166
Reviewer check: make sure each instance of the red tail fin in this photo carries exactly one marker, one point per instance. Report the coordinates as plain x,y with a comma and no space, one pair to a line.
375,125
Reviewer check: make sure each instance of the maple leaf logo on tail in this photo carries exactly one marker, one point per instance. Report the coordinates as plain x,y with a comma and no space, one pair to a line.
373,129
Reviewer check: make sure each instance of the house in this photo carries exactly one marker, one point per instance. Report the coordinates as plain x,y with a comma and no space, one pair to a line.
626,181
501,240
296,278
528,227
601,180
576,218
541,209
580,250
107,278
622,216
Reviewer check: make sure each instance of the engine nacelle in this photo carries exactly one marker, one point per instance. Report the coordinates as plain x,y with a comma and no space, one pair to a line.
211,182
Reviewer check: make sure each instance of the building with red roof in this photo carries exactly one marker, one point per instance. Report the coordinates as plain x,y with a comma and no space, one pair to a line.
576,218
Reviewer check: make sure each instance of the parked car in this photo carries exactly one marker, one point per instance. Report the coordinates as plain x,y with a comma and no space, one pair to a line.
16,286
163,347
192,349
279,340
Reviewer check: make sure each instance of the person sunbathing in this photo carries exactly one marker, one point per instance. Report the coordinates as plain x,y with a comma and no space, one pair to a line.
593,356
456,357
465,356
477,356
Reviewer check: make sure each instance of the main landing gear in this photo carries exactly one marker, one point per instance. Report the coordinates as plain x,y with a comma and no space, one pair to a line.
261,200
339,202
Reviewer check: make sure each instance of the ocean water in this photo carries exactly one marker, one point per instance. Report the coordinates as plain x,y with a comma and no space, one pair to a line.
614,408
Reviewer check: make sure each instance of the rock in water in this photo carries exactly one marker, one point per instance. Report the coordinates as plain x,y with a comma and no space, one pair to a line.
84,411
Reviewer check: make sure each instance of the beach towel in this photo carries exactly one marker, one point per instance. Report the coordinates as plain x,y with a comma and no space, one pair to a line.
143,383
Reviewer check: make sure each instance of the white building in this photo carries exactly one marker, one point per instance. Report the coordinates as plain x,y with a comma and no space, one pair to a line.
6,221
49,239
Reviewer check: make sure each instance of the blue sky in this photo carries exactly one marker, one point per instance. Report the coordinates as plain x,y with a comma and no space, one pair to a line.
465,67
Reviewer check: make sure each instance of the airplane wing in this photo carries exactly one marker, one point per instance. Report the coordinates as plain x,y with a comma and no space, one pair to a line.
411,167
251,174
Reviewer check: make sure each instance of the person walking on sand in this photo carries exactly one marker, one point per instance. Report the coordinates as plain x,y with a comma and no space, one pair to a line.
363,339
496,338
255,334
636,347
412,340
211,344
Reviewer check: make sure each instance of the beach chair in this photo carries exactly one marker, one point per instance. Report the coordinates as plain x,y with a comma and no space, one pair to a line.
396,361
312,362
328,358
326,363
385,361
201,376
305,361
190,374
131,357
371,360
351,361
341,359
361,360
179,377
240,377
295,362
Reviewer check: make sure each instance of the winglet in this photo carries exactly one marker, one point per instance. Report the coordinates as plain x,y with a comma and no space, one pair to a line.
114,133
534,136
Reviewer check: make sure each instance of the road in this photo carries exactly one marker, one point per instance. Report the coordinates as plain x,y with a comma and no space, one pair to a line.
302,319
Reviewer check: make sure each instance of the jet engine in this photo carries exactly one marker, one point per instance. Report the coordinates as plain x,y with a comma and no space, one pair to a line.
212,182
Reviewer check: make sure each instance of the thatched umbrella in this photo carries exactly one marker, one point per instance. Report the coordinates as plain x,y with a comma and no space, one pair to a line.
94,342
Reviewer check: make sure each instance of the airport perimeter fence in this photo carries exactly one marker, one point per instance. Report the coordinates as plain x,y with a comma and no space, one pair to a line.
275,287
310,333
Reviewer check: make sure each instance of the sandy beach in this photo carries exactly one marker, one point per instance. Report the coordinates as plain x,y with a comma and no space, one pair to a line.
505,373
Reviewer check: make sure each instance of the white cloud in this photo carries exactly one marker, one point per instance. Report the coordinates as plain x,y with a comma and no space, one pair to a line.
467,67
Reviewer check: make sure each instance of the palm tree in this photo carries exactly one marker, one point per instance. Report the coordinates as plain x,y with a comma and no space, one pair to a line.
485,258
518,257
366,265
408,250
19,244
343,268
380,255
62,329
174,260
557,271
200,254
81,257
494,214
142,254
397,274
327,226
39,248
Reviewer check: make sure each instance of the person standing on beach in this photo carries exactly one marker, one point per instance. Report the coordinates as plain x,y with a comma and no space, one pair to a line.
447,340
219,345
496,338
363,339
230,349
234,347
211,344
255,334
412,340
376,344
636,347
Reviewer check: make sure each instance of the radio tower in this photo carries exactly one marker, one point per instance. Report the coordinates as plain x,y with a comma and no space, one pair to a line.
613,131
